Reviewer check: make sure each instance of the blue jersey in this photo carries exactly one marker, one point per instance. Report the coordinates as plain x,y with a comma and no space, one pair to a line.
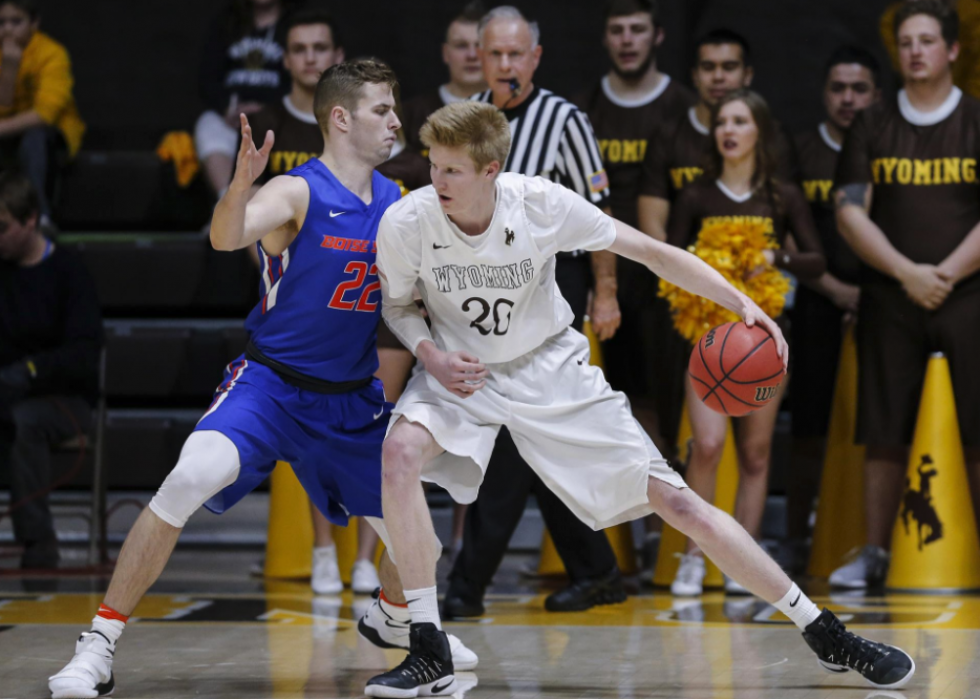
321,297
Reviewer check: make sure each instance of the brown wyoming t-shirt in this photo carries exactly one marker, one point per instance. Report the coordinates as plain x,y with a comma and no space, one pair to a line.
923,168
816,156
675,157
297,137
624,129
787,213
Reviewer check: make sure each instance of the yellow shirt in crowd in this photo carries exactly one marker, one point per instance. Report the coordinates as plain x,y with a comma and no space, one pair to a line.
44,84
966,70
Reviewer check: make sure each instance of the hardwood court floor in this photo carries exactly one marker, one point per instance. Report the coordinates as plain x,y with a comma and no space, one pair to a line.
208,631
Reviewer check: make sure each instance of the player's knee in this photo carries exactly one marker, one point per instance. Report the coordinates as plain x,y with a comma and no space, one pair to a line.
208,463
402,460
707,450
687,512
754,460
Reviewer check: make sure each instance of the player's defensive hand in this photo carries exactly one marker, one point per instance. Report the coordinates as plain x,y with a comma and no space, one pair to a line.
753,315
927,285
251,160
460,373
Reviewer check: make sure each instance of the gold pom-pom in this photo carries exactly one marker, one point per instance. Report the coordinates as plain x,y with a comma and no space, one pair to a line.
735,250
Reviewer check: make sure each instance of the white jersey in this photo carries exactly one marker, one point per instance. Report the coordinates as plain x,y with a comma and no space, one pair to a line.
492,295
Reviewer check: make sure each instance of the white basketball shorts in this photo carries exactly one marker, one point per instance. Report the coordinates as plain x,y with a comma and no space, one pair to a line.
571,427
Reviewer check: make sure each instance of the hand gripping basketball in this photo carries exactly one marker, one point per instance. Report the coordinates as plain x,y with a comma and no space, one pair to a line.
736,369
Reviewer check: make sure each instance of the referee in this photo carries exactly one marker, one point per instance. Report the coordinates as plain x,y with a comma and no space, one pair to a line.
550,137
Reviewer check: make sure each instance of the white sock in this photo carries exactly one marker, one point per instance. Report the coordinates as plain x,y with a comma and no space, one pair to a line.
423,606
330,550
110,628
798,607
398,612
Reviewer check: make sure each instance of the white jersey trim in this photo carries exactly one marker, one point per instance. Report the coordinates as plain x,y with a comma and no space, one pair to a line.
919,118
692,114
296,113
449,98
641,101
827,138
738,198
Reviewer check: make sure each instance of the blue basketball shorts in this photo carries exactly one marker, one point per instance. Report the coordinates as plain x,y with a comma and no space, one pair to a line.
333,442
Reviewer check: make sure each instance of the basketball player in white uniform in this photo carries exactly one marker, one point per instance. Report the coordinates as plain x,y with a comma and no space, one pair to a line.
480,248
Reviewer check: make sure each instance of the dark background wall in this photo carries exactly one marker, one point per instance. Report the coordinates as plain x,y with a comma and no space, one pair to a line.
136,61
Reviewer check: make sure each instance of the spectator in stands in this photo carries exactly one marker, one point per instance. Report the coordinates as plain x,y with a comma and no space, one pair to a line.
460,54
673,160
50,335
825,307
740,186
966,69
241,71
908,203
312,44
40,128
626,107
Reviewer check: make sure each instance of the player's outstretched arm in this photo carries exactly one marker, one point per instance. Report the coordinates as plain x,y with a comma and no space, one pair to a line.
693,274
276,211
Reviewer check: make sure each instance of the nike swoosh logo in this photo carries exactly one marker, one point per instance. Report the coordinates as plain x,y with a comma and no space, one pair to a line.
379,414
440,247
436,689
335,214
400,627
793,603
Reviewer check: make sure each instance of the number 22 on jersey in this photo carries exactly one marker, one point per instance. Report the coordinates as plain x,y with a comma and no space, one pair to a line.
345,296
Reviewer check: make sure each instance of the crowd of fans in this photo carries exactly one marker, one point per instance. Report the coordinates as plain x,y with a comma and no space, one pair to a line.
874,214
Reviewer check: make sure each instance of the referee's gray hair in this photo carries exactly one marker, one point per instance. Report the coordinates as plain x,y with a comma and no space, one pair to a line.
508,12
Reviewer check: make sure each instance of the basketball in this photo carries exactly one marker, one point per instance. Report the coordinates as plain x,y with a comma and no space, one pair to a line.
735,369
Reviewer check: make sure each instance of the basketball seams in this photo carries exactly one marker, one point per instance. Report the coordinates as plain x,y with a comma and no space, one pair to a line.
721,354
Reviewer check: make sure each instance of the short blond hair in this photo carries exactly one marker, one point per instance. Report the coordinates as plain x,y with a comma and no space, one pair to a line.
479,126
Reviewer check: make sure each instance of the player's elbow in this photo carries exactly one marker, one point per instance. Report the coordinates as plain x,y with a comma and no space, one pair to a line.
221,242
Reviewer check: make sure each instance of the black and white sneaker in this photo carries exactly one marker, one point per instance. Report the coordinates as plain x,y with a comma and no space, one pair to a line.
838,650
386,631
427,671
89,674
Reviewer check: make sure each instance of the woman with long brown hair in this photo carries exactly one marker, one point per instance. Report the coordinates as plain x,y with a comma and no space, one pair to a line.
739,186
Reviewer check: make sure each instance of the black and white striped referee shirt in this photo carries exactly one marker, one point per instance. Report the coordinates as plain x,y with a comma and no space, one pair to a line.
550,137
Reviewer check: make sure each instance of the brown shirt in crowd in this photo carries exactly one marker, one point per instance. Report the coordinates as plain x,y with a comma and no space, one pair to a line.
926,191
297,137
786,213
407,168
816,156
624,130
676,157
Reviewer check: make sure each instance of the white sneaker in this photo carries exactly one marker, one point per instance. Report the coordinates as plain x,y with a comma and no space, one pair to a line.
689,581
386,631
89,674
364,578
733,587
867,568
326,573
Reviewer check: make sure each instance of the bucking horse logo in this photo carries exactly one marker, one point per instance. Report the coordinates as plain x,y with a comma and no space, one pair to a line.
918,504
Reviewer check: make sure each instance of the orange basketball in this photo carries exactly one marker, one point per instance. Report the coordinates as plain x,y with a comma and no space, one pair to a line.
735,370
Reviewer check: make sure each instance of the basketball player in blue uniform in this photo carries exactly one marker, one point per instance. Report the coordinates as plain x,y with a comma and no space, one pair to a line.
304,391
